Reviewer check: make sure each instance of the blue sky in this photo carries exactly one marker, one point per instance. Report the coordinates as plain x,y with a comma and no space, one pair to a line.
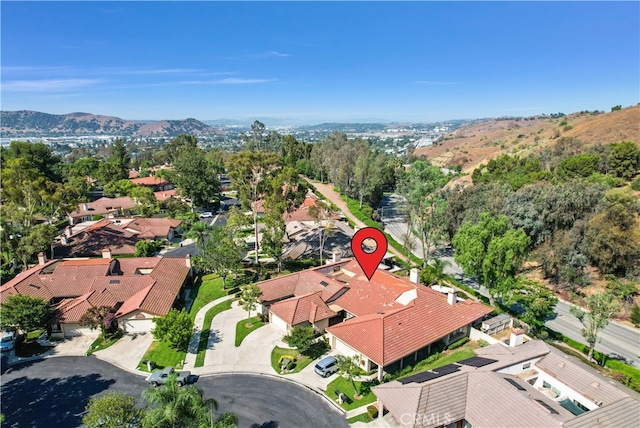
409,61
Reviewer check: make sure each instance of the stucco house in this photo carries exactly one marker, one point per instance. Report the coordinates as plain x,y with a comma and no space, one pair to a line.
105,207
528,385
137,288
388,322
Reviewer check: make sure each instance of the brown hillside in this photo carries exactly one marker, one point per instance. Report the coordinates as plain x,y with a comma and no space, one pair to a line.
474,144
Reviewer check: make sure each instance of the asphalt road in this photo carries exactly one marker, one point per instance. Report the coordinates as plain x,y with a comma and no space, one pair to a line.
54,392
615,338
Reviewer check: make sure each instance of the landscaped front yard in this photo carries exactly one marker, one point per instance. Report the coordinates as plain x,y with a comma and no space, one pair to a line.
346,387
164,355
210,289
244,327
301,361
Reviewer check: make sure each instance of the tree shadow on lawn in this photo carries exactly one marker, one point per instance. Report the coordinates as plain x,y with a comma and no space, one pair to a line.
49,402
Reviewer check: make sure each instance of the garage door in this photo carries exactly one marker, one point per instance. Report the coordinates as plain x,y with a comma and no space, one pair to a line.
138,326
344,349
280,323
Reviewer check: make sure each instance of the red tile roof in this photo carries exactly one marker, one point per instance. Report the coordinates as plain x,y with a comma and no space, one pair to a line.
296,310
149,181
150,228
103,206
163,195
299,284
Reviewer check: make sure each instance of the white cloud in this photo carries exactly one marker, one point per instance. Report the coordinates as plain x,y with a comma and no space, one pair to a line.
279,54
226,81
47,85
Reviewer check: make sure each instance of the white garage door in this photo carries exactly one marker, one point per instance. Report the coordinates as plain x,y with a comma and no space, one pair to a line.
138,326
279,322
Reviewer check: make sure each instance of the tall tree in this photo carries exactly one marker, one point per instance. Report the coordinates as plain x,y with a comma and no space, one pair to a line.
323,213
120,159
222,254
491,250
348,367
249,295
250,172
273,233
199,232
600,309
24,313
195,177
182,143
113,410
536,299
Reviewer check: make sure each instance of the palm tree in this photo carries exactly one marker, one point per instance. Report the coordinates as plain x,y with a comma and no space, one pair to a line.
199,233
177,407
435,272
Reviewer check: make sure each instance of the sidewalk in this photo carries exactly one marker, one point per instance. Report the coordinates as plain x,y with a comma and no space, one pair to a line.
192,350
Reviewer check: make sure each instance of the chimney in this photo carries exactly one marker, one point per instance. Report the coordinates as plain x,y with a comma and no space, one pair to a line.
452,297
106,253
42,259
414,276
336,257
187,260
85,207
68,231
517,337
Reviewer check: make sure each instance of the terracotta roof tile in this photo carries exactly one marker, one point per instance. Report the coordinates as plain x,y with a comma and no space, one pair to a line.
103,206
163,195
153,227
303,308
149,181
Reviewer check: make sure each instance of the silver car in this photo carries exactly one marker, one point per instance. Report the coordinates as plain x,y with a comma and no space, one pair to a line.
8,341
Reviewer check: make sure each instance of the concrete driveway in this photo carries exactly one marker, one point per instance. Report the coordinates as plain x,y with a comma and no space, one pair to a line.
253,355
71,346
127,352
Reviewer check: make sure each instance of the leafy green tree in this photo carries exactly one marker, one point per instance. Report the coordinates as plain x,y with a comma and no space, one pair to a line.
250,173
175,328
102,317
612,237
322,214
35,239
420,186
300,338
348,367
600,309
174,148
579,166
222,254
24,313
182,407
273,233
37,156
146,248
120,159
113,410
624,160
625,291
249,295
196,177
434,273
536,299
491,250
256,141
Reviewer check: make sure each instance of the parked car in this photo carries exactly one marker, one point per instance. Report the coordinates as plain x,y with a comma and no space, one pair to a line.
206,214
159,378
8,341
327,366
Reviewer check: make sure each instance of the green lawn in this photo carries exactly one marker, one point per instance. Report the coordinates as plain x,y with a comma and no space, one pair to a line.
300,363
345,386
204,335
100,343
164,355
362,417
246,326
208,290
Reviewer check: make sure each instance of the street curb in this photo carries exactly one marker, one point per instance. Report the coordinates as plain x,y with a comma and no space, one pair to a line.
120,366
310,388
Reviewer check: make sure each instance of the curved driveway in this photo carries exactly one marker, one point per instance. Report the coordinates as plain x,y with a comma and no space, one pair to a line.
55,391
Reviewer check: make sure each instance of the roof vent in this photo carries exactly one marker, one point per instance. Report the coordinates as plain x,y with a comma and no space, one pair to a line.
515,384
37,287
324,283
114,281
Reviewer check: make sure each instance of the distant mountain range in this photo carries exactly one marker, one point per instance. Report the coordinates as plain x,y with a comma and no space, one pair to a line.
26,123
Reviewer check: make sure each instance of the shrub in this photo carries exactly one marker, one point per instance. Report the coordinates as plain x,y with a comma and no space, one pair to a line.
458,343
635,184
482,343
635,315
372,411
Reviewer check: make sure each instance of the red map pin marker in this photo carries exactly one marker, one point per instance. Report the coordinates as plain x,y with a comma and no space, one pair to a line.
369,261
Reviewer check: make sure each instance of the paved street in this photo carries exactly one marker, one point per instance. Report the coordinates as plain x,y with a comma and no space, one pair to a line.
615,338
54,392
